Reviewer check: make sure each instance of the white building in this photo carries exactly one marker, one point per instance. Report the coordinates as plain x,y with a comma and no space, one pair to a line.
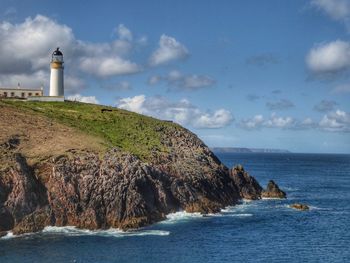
20,93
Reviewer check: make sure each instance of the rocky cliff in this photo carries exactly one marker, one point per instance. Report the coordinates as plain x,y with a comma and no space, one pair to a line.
91,182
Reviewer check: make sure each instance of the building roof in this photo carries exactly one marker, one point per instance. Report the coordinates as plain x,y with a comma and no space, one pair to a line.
1,88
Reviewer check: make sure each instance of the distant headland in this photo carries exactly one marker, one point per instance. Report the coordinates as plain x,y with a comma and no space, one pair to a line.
247,150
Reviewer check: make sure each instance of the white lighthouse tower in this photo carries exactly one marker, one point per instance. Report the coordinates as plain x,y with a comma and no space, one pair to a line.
56,78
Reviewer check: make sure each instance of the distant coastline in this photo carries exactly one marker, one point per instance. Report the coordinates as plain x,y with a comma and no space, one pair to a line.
247,150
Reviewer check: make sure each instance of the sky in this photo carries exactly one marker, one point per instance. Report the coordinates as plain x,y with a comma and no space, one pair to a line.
258,74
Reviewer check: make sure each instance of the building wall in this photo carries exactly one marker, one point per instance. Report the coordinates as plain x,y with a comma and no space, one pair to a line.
47,98
20,93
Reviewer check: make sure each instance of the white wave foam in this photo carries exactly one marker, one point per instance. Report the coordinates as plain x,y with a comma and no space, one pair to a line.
214,215
238,210
9,235
289,188
228,209
320,208
73,231
241,215
180,216
272,198
239,207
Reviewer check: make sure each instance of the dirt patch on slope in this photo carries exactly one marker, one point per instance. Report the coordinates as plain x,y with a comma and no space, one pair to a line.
42,137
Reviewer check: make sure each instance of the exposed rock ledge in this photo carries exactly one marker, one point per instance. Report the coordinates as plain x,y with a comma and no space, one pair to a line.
302,207
116,190
273,191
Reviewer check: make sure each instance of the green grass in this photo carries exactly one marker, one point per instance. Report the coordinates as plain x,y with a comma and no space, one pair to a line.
134,133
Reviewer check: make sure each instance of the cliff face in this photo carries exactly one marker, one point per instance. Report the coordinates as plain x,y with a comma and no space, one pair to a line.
113,188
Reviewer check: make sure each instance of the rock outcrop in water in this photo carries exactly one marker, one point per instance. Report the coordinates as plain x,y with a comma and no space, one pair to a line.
95,189
273,191
301,207
248,186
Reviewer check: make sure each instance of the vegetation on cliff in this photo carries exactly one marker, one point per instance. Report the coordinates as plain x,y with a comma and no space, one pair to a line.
131,132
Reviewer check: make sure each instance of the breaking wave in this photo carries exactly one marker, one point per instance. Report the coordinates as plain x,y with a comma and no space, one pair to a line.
241,215
180,216
73,231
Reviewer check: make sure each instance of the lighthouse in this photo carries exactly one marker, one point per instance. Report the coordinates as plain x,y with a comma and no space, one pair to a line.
56,77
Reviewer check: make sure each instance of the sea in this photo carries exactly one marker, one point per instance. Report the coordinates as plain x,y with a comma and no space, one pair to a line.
253,231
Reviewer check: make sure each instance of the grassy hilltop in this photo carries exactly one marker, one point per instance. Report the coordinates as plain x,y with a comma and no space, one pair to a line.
132,132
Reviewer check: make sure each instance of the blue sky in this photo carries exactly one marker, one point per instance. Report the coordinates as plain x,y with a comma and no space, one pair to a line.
269,74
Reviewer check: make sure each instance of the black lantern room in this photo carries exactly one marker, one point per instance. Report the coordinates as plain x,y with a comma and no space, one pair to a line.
57,56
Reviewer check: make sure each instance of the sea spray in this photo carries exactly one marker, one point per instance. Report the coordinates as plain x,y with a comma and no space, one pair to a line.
74,231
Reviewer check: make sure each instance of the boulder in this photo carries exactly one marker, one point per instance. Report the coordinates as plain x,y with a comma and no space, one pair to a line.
273,191
302,207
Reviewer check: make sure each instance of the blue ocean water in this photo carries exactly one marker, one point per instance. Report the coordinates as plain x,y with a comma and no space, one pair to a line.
258,231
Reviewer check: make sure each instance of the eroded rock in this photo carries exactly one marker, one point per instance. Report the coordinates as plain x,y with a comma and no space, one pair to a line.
273,191
118,190
247,185
302,207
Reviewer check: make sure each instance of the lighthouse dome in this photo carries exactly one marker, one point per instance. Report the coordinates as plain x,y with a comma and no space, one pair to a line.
57,55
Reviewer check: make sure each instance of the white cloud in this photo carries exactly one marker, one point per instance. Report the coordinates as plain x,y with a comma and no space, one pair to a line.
336,9
142,41
325,105
73,84
282,104
123,85
220,118
262,60
153,80
258,122
252,123
169,50
25,51
179,81
124,33
32,80
31,43
279,122
85,99
344,88
193,82
174,75
329,57
117,86
108,66
135,104
182,112
338,121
